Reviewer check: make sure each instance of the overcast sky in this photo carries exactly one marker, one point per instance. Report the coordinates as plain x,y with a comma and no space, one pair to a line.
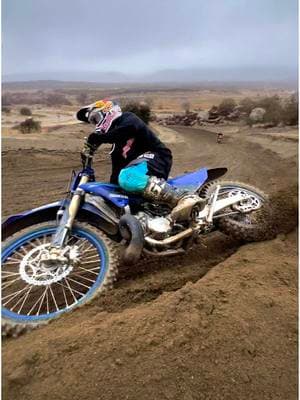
142,36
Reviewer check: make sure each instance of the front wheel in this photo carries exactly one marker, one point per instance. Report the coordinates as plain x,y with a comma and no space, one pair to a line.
34,293
250,220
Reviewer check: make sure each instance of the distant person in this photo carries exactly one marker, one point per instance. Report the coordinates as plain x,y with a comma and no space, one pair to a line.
220,137
140,161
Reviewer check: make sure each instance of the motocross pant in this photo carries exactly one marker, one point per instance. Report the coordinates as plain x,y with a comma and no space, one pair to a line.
139,173
140,176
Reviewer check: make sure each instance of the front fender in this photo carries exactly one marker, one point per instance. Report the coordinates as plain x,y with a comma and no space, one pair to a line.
48,212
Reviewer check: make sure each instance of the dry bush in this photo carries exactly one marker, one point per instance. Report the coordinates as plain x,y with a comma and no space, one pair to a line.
57,99
25,111
247,104
29,125
186,105
276,110
290,111
226,106
142,110
273,107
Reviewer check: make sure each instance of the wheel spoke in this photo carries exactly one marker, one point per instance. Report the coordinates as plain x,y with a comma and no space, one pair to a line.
47,301
25,298
80,243
89,262
72,291
38,241
80,275
53,297
90,258
13,295
8,274
5,285
83,248
44,295
78,283
91,270
35,304
14,260
19,254
65,297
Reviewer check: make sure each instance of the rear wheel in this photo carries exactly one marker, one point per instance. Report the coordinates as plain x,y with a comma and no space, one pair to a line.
251,219
33,293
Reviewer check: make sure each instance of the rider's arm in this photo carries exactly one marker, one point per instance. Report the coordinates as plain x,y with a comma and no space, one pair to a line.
113,136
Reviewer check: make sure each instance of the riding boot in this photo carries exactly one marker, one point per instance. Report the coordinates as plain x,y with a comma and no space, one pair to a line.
181,201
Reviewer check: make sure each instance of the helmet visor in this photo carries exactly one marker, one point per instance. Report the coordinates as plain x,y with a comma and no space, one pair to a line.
96,117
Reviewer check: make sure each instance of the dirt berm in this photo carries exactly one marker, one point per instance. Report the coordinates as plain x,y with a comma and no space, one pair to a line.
217,323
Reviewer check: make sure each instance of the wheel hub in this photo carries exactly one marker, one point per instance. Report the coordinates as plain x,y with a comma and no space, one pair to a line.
41,266
250,203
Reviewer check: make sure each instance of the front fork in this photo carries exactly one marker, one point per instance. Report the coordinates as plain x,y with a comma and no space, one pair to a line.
68,216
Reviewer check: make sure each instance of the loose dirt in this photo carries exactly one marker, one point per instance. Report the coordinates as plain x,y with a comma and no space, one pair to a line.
217,323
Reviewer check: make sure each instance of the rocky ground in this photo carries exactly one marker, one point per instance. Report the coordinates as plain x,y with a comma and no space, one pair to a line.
218,323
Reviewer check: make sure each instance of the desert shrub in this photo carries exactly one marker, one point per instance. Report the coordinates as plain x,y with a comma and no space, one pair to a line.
25,111
247,105
15,98
29,125
290,111
142,110
273,107
186,105
226,106
5,109
57,99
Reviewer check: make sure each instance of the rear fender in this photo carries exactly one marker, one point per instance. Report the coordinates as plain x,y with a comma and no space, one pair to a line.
48,212
215,173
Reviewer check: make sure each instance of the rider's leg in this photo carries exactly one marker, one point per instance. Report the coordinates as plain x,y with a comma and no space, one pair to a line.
134,179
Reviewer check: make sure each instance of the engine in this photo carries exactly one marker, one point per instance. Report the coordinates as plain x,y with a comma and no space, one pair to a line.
157,226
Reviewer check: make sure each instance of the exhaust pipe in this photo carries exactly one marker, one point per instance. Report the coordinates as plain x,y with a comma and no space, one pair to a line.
131,230
172,239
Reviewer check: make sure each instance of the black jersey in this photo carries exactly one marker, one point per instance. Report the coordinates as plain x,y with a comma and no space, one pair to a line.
131,137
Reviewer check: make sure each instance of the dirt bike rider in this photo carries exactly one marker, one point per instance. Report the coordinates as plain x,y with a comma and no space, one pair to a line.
140,161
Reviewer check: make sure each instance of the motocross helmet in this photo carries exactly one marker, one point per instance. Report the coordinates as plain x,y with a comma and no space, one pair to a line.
102,113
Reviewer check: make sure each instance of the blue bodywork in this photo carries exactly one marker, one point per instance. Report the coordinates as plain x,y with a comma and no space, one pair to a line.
190,181
108,191
14,223
113,193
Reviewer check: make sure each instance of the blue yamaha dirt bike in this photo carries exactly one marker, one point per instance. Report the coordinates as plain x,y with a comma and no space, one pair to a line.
62,255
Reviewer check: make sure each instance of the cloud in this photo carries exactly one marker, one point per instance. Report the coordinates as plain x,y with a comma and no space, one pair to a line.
143,36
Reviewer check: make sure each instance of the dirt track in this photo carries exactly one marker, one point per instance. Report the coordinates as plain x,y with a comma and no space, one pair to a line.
229,335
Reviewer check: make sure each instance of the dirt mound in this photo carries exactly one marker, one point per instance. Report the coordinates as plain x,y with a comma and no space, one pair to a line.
230,335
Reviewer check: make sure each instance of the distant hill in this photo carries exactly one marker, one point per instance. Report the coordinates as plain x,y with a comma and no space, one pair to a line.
203,78
191,75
